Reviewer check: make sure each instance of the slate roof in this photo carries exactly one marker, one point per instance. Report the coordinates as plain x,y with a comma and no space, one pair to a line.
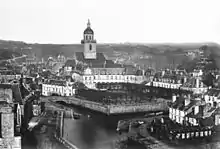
213,92
130,70
7,72
70,63
111,64
5,86
180,104
100,58
99,62
207,122
56,82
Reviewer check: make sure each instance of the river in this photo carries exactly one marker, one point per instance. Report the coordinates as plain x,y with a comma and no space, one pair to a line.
95,132
99,131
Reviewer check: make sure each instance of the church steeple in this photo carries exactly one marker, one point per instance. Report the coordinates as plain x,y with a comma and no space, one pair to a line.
89,42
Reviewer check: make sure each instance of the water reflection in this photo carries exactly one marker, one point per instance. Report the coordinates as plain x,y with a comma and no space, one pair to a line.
93,130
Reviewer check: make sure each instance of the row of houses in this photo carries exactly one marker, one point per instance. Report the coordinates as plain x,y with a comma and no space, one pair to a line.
57,87
194,111
189,82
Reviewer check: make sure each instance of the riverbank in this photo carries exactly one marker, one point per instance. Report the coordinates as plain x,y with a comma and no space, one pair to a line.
42,135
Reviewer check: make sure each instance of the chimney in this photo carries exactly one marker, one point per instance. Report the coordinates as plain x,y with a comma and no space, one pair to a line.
201,85
184,80
197,82
163,73
104,64
196,110
173,98
143,72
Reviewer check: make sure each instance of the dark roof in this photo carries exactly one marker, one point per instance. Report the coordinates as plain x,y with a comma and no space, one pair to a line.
130,70
70,63
206,122
56,82
5,86
99,62
100,58
88,30
213,92
178,103
17,94
111,64
7,72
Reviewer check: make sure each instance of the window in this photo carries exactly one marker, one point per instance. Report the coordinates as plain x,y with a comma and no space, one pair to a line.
90,47
86,37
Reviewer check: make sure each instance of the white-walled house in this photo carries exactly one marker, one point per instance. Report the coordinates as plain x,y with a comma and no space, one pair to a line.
197,73
180,108
91,78
168,81
212,96
57,87
191,112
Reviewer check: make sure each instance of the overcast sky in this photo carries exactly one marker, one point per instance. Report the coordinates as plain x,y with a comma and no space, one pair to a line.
146,21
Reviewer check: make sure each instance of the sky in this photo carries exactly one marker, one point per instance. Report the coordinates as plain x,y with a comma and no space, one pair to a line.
113,21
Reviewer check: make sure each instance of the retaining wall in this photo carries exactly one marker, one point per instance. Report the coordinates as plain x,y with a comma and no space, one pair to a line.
114,109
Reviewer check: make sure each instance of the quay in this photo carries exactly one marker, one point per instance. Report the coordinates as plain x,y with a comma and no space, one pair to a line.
111,109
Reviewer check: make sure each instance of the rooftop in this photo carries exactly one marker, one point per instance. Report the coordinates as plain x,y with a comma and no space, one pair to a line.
16,94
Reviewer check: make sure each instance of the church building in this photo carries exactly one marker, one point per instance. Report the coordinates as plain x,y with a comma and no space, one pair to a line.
98,69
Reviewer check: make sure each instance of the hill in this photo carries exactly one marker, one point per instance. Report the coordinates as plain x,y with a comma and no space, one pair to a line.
156,55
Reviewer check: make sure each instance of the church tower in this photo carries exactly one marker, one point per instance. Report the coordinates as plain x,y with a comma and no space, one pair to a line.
89,43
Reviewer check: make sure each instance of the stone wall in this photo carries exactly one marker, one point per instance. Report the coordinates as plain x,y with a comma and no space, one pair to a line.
137,108
116,109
